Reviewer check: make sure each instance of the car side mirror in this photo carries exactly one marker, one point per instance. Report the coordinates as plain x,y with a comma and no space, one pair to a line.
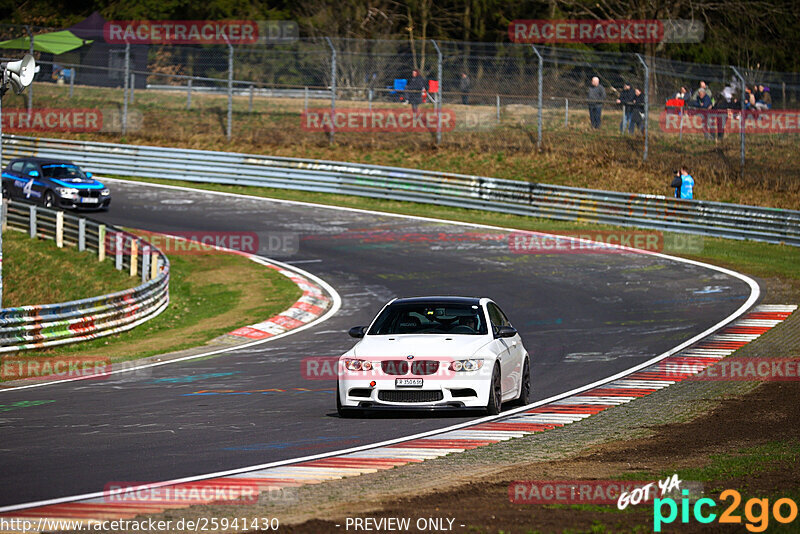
357,332
33,174
88,175
506,331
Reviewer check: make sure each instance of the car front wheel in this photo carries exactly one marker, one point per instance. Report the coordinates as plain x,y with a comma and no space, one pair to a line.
49,199
495,393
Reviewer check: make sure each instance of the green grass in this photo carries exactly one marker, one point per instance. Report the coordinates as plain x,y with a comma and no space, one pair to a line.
35,271
758,259
210,295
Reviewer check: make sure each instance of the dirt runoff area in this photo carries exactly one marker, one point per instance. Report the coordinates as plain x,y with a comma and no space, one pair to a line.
741,436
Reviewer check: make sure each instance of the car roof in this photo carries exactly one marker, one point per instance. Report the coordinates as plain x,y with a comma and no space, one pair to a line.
469,301
45,161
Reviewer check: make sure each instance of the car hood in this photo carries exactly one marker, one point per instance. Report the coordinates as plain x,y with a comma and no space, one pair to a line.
420,345
79,183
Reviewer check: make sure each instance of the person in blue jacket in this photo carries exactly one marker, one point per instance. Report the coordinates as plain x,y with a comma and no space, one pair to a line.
683,184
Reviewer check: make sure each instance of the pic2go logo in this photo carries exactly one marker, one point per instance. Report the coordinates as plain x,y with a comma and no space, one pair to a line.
757,521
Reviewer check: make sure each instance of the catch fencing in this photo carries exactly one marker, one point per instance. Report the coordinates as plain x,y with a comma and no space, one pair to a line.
504,96
32,327
445,189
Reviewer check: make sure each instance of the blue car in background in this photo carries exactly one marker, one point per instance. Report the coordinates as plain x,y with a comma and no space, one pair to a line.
53,183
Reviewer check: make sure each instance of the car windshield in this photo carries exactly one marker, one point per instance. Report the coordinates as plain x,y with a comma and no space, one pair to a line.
430,318
62,172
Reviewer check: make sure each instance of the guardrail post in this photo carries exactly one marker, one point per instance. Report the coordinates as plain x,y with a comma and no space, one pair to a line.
153,266
101,242
71,81
252,90
60,229
32,222
145,262
118,244
81,234
134,257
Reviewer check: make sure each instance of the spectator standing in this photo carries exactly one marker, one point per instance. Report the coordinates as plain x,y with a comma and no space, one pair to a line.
464,85
763,102
414,89
683,184
684,95
705,89
596,96
637,109
626,99
702,102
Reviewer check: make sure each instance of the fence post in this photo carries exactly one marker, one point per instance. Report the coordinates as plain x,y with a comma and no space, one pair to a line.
119,242
134,257
741,125
370,100
646,105
153,265
305,99
566,113
252,90
497,107
132,86
333,88
30,87
126,82
440,100
189,94
32,222
71,81
81,234
539,98
60,229
101,242
230,89
145,262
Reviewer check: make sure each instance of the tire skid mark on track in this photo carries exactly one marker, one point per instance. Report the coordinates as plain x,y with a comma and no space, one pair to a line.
675,368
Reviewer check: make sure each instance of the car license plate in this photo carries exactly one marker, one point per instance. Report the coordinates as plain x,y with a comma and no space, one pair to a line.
408,382
89,200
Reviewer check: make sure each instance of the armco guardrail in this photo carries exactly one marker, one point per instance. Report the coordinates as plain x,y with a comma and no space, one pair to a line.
537,200
31,327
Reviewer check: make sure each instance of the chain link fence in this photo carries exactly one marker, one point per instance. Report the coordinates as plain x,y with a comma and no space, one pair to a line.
481,96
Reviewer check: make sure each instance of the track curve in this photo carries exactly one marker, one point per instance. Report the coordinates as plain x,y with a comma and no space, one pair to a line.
583,316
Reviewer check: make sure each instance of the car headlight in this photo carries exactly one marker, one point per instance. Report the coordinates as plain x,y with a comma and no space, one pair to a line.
466,365
357,365
105,192
66,191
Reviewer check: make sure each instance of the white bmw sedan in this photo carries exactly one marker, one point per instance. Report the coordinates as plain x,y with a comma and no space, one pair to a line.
433,353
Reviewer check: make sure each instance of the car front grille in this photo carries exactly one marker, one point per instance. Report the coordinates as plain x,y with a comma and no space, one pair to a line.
89,193
395,367
410,396
424,367
401,367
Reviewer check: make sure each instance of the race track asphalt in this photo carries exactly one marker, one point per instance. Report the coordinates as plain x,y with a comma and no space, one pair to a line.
582,316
